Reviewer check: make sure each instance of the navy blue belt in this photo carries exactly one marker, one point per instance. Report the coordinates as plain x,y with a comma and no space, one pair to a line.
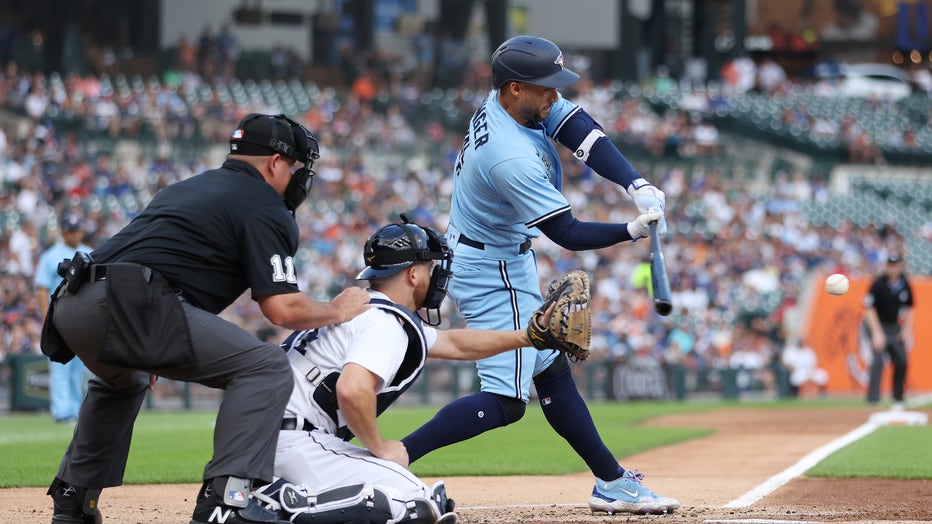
479,245
292,423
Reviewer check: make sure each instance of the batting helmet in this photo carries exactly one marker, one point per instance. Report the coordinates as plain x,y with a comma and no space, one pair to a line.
530,59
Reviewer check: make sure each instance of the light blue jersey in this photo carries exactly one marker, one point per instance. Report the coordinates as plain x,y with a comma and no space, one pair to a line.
507,179
66,381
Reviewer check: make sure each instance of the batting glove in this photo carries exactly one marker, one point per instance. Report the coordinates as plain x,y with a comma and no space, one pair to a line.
647,197
640,226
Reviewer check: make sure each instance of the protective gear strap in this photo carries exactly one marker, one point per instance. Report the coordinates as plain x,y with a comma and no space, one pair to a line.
581,133
575,235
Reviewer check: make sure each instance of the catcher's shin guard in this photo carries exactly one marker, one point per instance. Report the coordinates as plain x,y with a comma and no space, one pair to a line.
355,504
73,504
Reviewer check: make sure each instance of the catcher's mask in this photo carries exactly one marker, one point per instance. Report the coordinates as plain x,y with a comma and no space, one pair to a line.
259,134
397,246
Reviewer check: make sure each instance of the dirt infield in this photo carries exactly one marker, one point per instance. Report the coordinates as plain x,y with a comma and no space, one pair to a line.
749,447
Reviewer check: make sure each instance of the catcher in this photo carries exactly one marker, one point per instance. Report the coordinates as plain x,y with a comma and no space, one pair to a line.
349,373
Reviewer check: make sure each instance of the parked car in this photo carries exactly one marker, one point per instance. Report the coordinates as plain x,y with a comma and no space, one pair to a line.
867,80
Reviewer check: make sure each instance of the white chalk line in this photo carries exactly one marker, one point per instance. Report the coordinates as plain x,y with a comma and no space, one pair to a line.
761,491
810,460
759,521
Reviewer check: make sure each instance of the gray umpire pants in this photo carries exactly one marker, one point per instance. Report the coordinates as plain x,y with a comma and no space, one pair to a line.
255,376
897,352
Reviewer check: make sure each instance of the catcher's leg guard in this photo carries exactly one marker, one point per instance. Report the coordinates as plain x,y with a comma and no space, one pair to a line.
355,504
436,510
73,504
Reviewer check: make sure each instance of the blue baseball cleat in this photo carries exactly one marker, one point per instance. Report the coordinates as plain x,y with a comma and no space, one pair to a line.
627,494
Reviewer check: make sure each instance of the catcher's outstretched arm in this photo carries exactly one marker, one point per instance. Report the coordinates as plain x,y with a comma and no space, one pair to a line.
473,344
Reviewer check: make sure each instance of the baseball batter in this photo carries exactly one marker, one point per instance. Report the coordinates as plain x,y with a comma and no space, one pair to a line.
507,190
349,373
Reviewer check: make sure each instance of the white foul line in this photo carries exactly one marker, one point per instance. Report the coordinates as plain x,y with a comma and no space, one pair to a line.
773,483
759,521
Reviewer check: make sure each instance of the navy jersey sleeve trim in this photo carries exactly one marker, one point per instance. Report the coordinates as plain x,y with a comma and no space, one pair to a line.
575,235
576,132
556,132
548,216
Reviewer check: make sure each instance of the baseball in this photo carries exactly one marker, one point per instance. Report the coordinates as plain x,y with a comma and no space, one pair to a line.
836,284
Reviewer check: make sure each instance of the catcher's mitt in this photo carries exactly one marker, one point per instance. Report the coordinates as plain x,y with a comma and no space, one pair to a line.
570,322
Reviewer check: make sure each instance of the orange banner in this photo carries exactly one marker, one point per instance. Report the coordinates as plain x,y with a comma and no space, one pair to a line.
832,330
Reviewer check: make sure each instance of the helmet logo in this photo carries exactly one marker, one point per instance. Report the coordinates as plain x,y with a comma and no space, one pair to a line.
559,60
399,243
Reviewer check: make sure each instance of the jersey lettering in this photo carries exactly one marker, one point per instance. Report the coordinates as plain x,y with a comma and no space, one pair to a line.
459,158
480,128
283,274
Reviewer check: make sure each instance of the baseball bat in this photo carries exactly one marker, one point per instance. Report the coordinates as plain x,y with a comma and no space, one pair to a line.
659,279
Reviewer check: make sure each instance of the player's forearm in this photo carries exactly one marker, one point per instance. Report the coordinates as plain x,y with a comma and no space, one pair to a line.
575,235
473,344
296,311
358,407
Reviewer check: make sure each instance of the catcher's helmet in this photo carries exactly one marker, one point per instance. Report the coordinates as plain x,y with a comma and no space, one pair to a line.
530,59
397,246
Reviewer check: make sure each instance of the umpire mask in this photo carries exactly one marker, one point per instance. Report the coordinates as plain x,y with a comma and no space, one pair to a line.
303,178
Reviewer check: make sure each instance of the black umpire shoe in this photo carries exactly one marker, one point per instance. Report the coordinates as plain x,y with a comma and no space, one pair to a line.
210,508
73,504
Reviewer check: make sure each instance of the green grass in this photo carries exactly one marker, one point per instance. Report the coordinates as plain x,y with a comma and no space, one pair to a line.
896,452
171,447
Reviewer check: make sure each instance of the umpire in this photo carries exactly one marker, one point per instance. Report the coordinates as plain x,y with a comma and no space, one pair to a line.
145,304
889,318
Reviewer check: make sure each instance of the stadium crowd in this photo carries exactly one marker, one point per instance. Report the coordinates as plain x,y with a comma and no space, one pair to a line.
739,254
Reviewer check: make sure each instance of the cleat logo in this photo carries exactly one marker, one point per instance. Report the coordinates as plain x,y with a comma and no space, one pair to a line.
629,493
220,515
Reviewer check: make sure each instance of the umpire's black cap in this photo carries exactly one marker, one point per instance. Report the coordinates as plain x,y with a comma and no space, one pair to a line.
264,135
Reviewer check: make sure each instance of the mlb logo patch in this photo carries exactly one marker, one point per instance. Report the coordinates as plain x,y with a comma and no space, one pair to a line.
238,134
545,401
236,496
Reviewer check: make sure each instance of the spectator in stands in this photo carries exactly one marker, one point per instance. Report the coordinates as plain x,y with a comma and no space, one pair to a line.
803,365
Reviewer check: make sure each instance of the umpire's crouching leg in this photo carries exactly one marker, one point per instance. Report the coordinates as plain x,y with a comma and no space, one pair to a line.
257,382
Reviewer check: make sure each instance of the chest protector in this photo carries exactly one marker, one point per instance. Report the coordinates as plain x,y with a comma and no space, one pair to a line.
325,395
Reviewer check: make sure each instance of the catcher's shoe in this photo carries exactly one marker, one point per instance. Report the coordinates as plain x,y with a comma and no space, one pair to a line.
73,504
627,494
211,509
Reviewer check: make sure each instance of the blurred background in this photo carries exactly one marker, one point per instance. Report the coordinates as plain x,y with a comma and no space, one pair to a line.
792,138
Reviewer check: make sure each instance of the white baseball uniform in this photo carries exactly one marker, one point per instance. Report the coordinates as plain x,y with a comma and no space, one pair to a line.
389,341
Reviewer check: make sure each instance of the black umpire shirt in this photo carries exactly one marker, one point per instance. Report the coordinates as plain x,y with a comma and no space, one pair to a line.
887,297
213,236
